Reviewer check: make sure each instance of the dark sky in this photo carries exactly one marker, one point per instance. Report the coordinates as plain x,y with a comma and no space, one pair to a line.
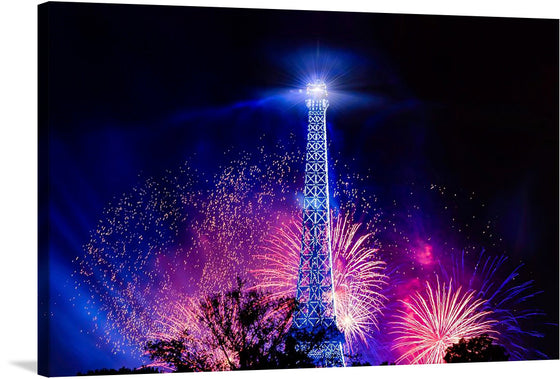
468,102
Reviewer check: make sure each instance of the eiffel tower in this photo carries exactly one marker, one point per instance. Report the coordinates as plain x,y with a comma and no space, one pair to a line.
315,293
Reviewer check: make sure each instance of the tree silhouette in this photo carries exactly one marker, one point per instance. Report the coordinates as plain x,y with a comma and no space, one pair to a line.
121,371
242,329
476,349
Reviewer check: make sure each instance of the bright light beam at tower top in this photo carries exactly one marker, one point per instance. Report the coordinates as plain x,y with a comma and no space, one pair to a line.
317,90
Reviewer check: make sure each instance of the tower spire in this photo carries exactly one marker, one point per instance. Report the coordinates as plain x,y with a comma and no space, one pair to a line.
315,292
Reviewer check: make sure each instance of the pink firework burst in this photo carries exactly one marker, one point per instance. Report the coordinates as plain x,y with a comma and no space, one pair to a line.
358,273
437,318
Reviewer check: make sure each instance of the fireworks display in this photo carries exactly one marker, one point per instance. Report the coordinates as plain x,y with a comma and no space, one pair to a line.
191,232
173,163
437,318
171,240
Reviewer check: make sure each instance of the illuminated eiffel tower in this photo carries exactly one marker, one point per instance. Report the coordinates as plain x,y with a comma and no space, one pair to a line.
315,277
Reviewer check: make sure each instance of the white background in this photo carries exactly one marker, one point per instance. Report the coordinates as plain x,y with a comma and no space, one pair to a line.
18,182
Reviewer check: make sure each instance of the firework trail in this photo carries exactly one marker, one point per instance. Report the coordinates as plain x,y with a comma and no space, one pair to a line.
437,318
505,298
358,274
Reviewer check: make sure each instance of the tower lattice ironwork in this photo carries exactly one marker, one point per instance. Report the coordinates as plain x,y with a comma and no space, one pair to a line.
315,291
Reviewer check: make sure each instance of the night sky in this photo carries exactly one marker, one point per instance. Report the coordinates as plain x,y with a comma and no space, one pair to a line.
469,103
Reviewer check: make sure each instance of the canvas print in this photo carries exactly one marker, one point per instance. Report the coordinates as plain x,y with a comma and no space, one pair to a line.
240,189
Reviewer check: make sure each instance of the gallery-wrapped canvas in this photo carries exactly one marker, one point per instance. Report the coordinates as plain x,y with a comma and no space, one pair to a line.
239,189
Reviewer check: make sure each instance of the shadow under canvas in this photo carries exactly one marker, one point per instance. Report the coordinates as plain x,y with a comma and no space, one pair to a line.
30,366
